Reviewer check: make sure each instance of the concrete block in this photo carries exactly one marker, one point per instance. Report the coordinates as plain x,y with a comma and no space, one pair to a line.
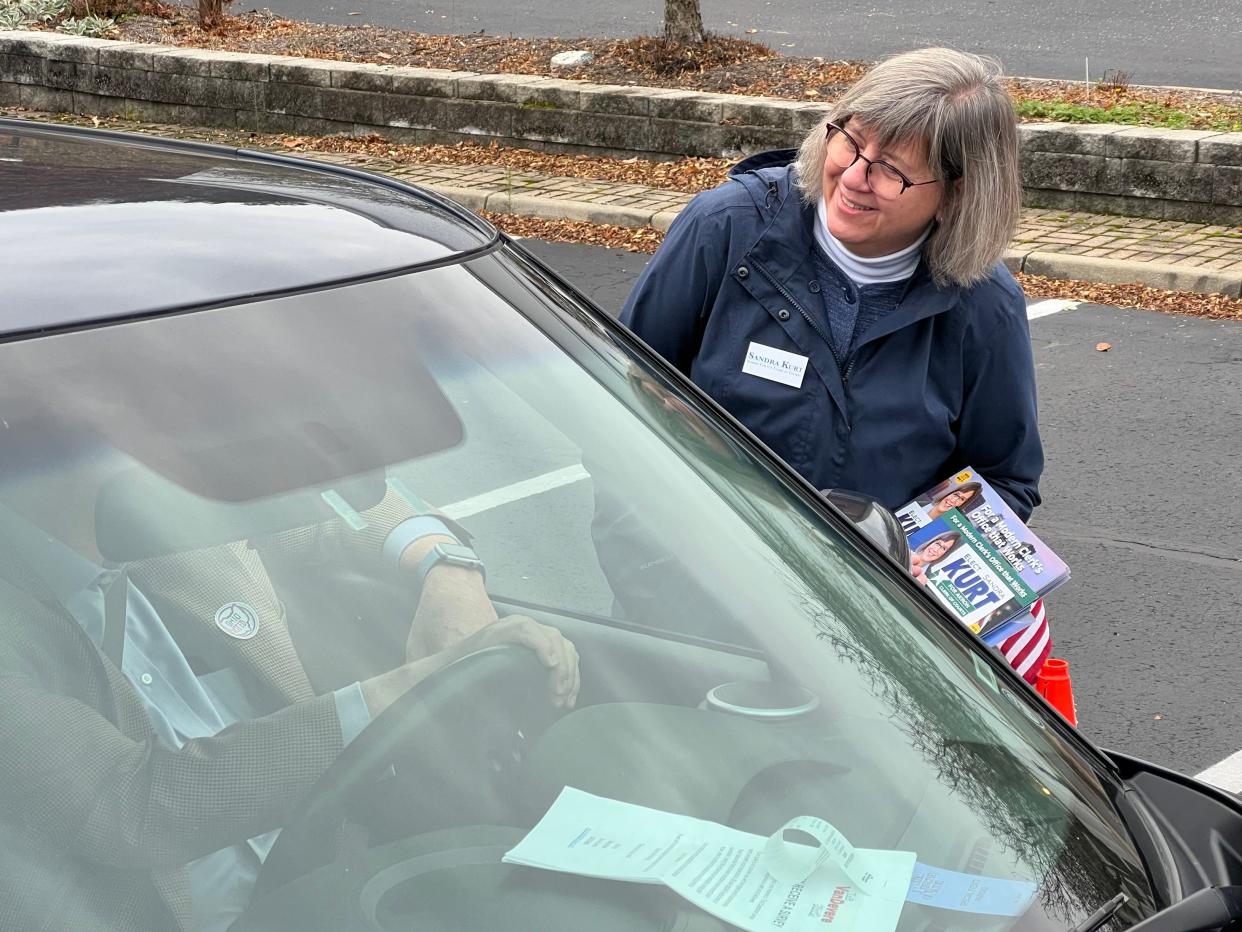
549,93
425,82
1221,149
1049,198
302,100
1062,171
1121,205
469,117
614,99
195,62
1125,271
761,111
1226,185
1185,181
153,112
480,118
1223,214
499,87
597,130
687,106
359,76
1153,144
192,90
352,106
808,117
23,69
79,49
747,140
310,71
121,82
1066,138
239,66
132,55
262,121
68,76
42,44
51,100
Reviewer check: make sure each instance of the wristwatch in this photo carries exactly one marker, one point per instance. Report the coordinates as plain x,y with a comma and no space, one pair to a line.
453,555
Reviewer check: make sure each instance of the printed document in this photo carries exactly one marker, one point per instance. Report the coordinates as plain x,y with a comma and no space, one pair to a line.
806,876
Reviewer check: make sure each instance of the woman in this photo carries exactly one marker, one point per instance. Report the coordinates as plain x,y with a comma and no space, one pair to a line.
957,497
846,301
922,559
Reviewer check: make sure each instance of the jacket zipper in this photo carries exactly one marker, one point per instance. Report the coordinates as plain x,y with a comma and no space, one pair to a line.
814,325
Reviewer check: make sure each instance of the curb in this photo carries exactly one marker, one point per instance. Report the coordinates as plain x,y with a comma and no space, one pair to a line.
1165,276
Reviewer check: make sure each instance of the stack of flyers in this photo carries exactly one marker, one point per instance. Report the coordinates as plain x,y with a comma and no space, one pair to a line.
977,558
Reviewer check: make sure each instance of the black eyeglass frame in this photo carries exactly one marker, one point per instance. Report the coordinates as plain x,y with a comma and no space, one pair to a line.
906,183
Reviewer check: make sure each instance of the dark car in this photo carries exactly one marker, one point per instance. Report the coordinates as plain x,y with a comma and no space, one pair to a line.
231,386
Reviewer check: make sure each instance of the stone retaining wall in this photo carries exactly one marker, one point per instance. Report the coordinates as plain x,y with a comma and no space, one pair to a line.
1171,174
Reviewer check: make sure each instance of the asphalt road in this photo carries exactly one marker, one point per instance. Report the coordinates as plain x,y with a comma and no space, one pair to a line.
1194,42
1142,496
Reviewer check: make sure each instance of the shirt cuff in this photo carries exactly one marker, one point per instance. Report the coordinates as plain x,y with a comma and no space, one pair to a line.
351,711
410,530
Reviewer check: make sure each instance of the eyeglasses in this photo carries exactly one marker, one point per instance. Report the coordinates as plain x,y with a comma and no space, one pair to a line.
885,180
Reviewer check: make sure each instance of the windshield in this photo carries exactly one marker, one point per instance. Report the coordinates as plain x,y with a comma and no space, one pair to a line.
254,472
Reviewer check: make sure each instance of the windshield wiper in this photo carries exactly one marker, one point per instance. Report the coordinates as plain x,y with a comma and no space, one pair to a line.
1102,915
1202,911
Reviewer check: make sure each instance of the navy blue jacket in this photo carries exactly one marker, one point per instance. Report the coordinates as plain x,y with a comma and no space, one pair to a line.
944,381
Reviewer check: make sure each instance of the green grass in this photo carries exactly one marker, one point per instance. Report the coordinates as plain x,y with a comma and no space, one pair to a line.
1142,114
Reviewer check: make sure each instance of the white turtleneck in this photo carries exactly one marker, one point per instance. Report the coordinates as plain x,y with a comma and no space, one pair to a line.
891,268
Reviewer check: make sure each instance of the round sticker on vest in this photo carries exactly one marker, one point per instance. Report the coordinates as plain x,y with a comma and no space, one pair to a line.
238,620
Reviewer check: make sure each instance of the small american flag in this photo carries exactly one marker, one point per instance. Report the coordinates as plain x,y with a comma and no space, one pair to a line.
1026,650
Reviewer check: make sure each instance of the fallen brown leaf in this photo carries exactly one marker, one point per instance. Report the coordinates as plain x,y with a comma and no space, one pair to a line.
1103,347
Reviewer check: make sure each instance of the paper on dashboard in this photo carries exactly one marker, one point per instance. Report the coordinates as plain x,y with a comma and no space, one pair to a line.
753,882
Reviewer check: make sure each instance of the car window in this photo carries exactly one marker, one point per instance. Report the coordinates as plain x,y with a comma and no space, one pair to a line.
743,661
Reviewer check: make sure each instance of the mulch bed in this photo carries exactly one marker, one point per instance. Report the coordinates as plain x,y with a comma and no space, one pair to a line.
724,64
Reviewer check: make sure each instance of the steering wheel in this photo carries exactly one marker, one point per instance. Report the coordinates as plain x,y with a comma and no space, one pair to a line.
456,740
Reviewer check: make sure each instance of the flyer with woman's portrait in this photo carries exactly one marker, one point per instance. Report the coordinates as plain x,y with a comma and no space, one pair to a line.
976,556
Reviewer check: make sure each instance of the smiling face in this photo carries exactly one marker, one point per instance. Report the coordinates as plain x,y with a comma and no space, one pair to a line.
957,498
935,549
867,224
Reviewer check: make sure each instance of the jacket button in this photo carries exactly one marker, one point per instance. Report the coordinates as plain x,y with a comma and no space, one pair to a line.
782,314
742,271
814,286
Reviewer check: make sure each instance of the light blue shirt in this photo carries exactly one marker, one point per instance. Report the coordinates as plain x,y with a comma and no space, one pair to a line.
181,704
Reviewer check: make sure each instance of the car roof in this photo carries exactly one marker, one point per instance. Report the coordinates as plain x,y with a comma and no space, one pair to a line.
99,225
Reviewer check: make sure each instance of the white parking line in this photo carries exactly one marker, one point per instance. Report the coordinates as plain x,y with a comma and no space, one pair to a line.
515,491
1226,774
1051,306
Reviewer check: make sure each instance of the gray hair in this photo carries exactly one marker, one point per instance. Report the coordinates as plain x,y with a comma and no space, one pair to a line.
955,104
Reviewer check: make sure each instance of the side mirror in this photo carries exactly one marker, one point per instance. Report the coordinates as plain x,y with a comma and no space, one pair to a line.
877,523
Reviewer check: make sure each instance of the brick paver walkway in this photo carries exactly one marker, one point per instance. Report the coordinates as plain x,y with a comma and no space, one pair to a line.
1057,243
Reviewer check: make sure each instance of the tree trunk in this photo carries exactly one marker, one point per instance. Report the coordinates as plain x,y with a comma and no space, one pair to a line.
683,22
210,13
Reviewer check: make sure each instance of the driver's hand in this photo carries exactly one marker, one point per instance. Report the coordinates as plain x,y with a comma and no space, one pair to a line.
552,648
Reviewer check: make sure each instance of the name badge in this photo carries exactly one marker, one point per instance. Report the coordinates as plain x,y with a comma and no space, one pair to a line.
774,364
